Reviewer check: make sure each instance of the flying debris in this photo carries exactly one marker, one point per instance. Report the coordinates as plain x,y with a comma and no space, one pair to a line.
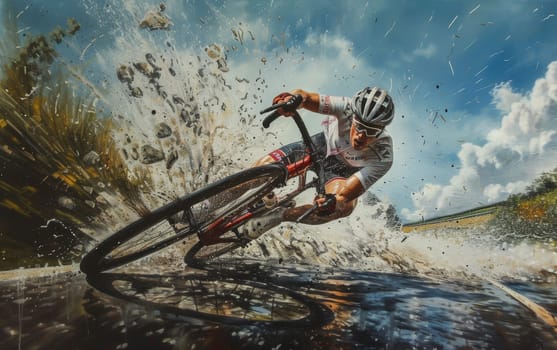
172,158
150,155
390,30
156,20
143,68
474,9
217,54
67,202
452,22
163,130
125,74
91,158
178,100
242,80
136,92
238,35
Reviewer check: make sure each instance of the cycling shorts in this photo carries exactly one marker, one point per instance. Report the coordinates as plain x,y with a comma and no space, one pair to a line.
335,167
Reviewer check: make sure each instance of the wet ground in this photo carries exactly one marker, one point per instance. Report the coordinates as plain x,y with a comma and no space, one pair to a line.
236,305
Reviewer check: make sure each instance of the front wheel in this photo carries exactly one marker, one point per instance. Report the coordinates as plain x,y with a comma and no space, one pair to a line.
196,212
201,252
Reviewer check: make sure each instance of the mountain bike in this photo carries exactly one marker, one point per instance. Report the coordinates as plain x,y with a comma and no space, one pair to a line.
216,212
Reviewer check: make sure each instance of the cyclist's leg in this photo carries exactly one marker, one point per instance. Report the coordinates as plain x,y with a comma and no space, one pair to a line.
292,152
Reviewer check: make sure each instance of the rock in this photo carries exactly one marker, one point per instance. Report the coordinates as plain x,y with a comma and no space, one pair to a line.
177,100
223,66
150,154
136,92
163,130
190,114
155,20
145,69
92,158
125,74
66,202
215,52
172,158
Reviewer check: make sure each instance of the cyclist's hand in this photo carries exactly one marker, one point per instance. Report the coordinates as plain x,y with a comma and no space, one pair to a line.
287,97
326,204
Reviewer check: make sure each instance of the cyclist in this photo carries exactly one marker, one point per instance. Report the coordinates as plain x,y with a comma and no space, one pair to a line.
359,152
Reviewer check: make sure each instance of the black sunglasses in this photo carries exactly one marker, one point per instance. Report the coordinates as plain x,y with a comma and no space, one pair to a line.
369,131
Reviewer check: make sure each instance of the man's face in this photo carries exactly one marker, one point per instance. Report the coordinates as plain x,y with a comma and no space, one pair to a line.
362,136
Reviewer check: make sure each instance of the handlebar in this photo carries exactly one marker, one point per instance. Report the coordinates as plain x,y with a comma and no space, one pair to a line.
291,106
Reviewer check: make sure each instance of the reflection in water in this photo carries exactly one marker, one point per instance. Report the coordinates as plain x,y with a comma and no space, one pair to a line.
214,297
235,301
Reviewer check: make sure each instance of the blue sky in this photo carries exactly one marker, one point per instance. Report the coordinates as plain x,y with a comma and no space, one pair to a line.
472,80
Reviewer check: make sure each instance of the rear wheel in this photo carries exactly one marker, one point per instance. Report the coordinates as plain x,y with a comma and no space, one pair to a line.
195,213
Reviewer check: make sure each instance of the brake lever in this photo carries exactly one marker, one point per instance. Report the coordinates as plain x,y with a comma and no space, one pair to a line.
289,105
329,205
273,107
307,213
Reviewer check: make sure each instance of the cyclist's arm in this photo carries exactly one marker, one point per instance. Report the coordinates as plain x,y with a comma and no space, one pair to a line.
315,102
355,185
351,189
310,100
345,192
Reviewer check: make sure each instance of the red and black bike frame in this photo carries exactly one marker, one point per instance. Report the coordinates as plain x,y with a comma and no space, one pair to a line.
311,161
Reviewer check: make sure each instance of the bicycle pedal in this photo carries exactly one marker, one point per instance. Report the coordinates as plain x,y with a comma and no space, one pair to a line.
270,200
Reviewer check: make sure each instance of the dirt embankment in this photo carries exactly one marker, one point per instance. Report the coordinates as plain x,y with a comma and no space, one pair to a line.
454,221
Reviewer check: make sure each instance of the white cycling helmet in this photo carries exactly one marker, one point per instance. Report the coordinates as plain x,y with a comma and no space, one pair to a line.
373,107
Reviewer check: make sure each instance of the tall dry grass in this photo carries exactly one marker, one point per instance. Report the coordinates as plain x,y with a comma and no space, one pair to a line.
57,153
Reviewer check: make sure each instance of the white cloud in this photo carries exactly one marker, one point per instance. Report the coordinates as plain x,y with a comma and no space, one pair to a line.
494,192
523,146
504,97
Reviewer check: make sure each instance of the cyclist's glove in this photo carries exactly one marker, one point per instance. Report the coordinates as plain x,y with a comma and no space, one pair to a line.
291,104
329,206
280,97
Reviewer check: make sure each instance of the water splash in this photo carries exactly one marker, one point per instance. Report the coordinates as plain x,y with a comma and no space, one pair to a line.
225,116
363,242
185,117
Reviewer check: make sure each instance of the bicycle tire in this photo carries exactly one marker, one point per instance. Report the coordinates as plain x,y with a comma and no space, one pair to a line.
153,232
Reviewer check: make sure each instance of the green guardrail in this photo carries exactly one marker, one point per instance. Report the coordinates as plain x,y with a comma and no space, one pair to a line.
484,210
